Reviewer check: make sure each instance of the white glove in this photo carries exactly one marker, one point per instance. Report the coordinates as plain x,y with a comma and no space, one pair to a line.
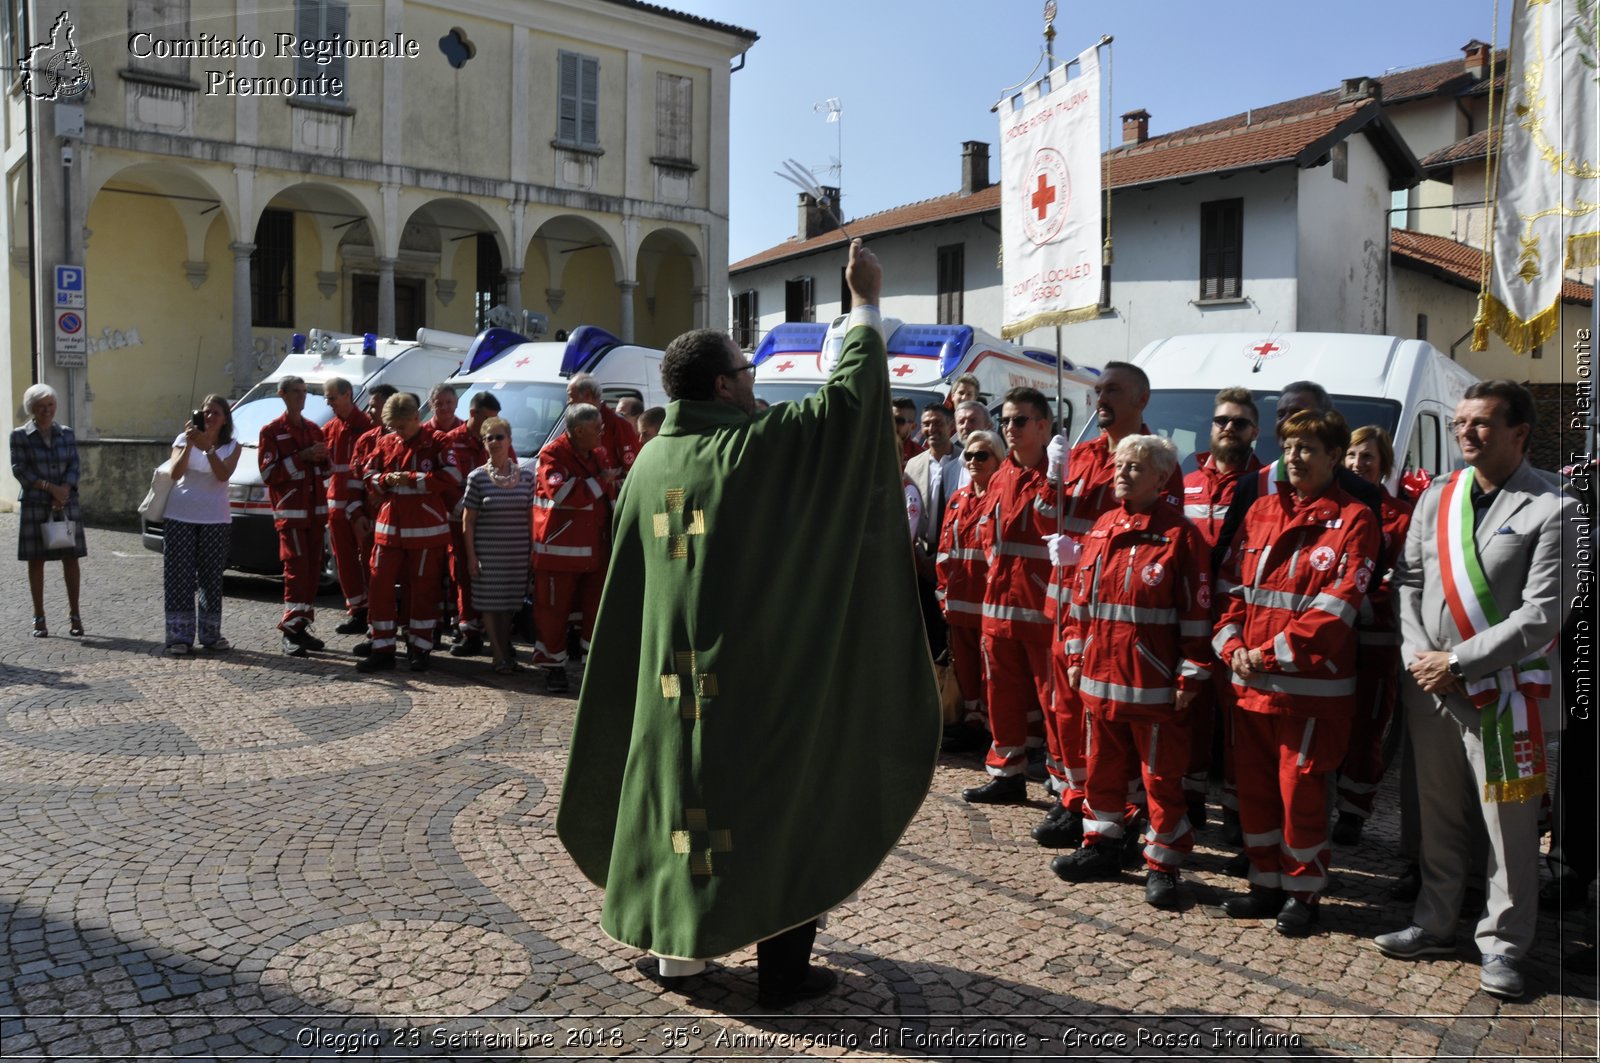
1057,453
1064,549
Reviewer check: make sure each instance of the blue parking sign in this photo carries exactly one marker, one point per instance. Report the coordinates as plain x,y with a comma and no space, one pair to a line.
69,278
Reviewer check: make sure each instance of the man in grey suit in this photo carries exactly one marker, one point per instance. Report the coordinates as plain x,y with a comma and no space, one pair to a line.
1475,759
934,473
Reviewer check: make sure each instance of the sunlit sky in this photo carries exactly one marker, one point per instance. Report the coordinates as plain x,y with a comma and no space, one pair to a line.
915,79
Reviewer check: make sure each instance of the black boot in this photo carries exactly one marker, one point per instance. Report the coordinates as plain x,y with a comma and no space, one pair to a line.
1161,889
377,662
1297,918
1064,831
1348,830
1102,860
1001,790
469,646
1261,902
555,680
355,623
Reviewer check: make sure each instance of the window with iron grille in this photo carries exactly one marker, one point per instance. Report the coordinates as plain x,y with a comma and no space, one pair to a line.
163,20
272,271
1222,249
674,117
799,304
952,282
578,116
746,319
320,20
491,282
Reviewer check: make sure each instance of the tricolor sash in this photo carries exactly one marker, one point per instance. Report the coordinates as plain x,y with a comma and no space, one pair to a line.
1273,475
1513,740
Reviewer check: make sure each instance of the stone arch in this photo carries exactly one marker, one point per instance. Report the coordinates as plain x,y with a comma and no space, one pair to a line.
671,295
571,270
452,222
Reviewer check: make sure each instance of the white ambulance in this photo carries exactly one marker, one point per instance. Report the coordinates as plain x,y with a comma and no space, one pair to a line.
924,360
1407,387
530,379
365,361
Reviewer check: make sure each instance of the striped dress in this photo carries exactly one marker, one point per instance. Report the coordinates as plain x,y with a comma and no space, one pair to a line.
503,539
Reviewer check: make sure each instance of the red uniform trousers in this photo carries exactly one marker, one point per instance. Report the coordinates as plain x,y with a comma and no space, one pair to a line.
1377,680
556,597
349,559
417,570
1227,717
1283,765
966,658
1019,689
300,550
1122,756
1203,712
1067,756
468,620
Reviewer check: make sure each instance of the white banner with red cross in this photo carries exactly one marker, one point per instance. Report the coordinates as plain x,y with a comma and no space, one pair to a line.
1050,200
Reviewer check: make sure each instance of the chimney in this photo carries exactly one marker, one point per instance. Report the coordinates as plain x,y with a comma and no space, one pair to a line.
1355,89
1136,127
815,218
974,166
1477,59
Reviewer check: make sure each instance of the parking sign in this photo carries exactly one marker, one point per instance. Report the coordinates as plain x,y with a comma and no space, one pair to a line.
69,288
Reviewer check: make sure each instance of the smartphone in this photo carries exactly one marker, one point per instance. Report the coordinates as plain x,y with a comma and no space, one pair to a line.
198,419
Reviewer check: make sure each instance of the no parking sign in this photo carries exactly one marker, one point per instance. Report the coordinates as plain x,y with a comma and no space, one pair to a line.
72,333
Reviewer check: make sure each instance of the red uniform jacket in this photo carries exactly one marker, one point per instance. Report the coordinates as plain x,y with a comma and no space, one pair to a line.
1140,620
962,567
299,499
1294,580
1208,491
571,510
413,514
619,443
1020,505
1089,494
342,433
358,505
467,445
1378,626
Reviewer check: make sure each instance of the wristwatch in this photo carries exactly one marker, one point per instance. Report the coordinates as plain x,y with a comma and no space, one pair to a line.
1455,667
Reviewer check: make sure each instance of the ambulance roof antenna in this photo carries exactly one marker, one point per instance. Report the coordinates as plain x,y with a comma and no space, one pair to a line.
1259,357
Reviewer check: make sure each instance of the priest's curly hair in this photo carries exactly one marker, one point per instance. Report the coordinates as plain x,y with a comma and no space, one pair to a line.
692,363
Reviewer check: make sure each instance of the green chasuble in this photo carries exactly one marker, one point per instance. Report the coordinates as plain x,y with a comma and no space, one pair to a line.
758,721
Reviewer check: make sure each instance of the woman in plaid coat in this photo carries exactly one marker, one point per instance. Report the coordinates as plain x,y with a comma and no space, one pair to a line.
44,459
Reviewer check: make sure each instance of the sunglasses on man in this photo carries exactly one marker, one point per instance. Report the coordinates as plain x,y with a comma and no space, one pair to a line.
1236,423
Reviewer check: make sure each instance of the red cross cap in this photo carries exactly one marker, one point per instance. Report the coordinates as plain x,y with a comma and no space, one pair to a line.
1046,195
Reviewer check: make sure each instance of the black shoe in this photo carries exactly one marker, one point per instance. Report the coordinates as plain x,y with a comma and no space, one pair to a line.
355,623
1034,770
1001,790
819,981
471,646
1237,866
291,648
1161,889
1059,832
963,738
1262,902
362,648
1580,961
1231,832
1408,885
555,680
377,662
1198,813
1561,893
1100,861
1348,830
1296,918
303,637
1133,843
419,661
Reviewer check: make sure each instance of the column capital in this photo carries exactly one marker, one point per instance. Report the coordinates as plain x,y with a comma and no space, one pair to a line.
241,249
627,286
385,265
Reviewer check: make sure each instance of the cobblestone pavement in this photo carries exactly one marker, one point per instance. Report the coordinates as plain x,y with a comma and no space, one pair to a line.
248,856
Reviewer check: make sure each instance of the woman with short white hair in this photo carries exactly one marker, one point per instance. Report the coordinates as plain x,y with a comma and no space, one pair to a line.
44,459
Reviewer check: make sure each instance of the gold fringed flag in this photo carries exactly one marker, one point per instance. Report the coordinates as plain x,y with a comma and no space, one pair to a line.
1547,190
1050,200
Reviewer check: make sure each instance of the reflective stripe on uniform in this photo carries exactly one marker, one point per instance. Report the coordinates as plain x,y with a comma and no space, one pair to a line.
1126,694
1014,612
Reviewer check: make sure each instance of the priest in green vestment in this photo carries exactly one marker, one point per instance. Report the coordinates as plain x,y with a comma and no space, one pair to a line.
758,721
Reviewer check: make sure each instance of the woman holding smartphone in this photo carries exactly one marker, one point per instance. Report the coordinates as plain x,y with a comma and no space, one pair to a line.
196,527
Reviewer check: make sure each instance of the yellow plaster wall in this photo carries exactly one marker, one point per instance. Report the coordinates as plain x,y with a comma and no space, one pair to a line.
458,120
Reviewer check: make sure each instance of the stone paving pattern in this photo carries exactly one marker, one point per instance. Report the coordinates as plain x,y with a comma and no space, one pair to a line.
249,856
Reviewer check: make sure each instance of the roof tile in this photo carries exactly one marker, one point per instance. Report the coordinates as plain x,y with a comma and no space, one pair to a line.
1461,262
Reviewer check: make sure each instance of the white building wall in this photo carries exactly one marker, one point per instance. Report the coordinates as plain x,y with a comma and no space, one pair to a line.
1343,245
1450,310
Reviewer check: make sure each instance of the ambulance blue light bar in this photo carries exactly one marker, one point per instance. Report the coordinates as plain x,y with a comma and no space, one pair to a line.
792,337
584,348
297,343
369,344
490,344
948,343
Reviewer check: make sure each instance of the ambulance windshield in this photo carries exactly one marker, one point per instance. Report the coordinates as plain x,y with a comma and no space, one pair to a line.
533,409
262,405
1184,416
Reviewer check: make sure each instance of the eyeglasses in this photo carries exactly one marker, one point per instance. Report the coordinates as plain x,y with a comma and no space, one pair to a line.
979,456
736,370
1236,423
1458,427
1019,421
498,437
901,420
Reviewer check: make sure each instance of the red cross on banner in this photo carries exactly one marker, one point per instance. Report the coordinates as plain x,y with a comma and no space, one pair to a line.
1043,196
